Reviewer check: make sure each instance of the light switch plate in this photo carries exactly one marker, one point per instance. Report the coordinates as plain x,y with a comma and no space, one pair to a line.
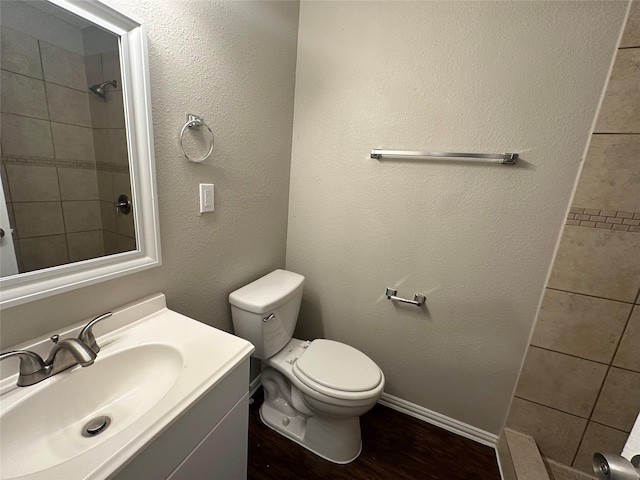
206,197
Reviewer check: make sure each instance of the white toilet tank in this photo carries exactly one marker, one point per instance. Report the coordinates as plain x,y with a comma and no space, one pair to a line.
265,312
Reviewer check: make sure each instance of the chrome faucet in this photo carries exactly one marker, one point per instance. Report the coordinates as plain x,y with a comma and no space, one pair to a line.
64,354
81,353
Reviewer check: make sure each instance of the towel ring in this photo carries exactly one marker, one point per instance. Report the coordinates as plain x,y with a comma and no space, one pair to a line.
195,121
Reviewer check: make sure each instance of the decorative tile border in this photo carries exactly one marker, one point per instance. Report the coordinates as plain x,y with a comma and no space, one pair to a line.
46,161
61,162
606,219
110,167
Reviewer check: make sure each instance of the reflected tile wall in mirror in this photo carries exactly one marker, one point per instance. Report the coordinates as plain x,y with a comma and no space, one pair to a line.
64,151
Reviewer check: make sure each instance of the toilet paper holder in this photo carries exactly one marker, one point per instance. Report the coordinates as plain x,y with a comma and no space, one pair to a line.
418,300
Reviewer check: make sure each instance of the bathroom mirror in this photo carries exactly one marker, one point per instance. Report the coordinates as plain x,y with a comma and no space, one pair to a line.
78,202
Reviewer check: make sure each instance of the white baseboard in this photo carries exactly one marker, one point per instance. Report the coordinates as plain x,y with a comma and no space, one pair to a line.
439,420
424,414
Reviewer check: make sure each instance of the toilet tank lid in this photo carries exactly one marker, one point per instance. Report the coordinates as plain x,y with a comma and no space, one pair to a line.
268,292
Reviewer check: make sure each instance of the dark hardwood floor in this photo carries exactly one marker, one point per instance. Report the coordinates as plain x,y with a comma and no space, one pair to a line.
395,446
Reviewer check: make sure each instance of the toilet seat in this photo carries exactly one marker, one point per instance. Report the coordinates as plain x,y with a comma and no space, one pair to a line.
337,370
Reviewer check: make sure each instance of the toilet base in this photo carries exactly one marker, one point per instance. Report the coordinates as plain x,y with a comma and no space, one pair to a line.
335,439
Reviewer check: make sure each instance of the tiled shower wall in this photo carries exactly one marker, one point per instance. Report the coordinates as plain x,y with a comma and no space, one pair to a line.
579,390
111,156
54,135
47,153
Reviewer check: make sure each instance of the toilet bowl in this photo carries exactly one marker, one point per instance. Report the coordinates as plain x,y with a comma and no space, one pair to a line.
315,391
313,409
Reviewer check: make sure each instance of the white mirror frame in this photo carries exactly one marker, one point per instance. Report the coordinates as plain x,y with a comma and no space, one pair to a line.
134,66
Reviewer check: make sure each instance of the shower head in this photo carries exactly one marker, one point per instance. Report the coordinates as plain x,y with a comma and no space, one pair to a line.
100,88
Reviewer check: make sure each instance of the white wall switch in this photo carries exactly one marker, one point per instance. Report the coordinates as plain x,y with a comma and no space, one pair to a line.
206,197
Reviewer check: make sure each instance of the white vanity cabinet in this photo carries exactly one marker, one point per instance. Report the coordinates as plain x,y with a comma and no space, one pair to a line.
208,441
223,453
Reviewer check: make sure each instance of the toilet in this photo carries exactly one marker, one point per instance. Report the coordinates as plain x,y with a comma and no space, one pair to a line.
315,391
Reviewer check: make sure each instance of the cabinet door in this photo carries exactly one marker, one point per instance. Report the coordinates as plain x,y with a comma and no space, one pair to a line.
222,455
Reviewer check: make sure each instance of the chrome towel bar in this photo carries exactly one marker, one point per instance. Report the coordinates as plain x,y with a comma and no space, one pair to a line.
505,158
418,300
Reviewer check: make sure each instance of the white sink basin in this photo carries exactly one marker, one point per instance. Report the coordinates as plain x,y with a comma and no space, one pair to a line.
45,428
147,373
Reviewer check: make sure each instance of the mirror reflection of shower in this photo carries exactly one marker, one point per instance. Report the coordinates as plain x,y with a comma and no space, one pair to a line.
100,89
75,164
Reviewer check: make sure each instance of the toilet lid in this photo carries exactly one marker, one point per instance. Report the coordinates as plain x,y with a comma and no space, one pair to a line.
337,366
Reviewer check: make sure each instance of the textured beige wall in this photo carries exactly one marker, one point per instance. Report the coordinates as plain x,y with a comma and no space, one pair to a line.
232,63
477,240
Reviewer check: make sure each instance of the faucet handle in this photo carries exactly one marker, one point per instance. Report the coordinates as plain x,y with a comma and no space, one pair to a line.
86,334
30,362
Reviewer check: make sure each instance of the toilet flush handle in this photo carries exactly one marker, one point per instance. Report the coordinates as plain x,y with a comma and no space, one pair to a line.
270,317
